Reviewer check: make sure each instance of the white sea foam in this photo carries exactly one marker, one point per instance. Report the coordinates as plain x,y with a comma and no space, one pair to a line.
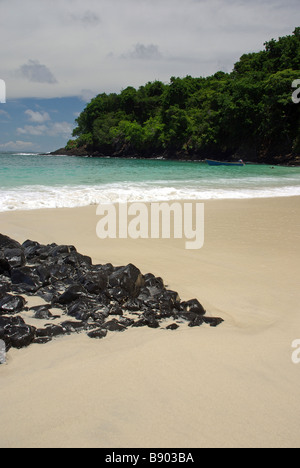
26,154
40,197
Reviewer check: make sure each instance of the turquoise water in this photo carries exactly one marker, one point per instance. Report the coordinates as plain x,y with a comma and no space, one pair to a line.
30,181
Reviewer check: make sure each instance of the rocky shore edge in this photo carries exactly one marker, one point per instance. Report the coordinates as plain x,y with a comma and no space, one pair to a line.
95,299
277,159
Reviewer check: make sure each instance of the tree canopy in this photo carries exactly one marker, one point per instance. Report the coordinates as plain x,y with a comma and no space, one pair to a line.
247,113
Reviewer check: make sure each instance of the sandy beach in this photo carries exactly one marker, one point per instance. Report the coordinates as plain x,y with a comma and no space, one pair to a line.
233,386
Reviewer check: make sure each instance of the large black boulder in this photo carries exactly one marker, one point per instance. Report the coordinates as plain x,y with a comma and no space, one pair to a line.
193,306
19,336
8,243
94,282
128,278
77,260
11,304
26,278
49,272
50,331
30,248
80,309
58,250
14,257
118,294
73,293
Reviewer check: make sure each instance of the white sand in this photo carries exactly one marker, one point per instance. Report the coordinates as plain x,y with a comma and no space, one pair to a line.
233,386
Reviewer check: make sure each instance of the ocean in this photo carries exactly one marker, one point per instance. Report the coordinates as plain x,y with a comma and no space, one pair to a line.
31,181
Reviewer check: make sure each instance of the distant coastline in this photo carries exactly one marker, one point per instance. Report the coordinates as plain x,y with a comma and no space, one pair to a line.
289,160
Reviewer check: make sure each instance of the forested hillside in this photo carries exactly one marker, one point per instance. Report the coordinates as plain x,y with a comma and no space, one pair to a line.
248,113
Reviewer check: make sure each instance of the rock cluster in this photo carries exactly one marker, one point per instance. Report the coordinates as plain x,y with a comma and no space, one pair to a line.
91,298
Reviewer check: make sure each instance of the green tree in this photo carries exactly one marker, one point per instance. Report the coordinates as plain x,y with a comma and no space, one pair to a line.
249,109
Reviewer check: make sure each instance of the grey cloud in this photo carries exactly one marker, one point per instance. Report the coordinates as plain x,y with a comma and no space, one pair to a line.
35,72
18,145
34,130
144,52
87,94
52,129
88,18
37,117
5,114
107,45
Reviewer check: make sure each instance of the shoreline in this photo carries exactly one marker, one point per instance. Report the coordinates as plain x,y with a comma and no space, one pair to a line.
149,202
294,159
240,373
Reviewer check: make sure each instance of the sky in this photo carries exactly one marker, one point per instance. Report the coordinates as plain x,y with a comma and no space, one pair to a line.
56,55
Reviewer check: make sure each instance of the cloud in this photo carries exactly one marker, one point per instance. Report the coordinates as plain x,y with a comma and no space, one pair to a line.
5,114
60,128
17,145
53,129
46,127
143,52
37,117
77,45
35,130
87,94
35,72
88,18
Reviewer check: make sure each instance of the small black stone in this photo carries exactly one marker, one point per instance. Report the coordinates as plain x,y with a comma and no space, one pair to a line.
173,326
97,334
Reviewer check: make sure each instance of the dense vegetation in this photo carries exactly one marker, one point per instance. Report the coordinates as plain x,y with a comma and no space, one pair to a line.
248,113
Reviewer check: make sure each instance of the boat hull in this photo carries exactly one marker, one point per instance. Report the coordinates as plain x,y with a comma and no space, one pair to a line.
220,163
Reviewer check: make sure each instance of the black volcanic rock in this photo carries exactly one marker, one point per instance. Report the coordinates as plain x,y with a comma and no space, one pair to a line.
20,336
94,282
8,243
128,278
50,331
5,285
15,332
96,299
173,326
42,313
97,334
4,265
213,321
11,304
114,325
26,279
197,322
72,294
14,257
193,306
71,327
